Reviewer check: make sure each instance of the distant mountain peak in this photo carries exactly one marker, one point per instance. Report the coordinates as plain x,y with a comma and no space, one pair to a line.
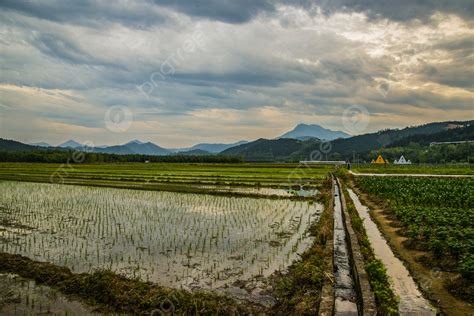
70,143
304,131
135,141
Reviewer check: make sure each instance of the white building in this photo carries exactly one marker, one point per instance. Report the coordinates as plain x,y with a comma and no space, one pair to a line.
402,161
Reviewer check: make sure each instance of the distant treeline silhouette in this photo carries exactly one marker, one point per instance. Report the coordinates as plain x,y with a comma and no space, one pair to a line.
72,156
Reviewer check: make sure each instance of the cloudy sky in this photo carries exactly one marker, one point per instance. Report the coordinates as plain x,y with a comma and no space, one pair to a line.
179,72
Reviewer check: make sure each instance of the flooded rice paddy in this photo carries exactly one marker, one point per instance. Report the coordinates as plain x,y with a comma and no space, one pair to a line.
174,239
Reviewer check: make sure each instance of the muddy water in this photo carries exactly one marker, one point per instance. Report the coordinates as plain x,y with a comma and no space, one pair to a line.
411,300
19,296
263,191
345,296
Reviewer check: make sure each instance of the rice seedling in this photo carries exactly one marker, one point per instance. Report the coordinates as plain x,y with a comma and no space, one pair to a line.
174,239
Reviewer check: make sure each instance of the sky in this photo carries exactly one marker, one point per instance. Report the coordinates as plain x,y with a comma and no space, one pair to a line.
181,72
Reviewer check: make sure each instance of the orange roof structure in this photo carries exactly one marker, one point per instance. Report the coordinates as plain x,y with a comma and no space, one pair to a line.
379,161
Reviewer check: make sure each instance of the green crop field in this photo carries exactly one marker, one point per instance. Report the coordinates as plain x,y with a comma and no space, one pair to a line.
436,214
460,169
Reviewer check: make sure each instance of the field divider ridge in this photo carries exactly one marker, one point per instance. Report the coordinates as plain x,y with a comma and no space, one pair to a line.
326,306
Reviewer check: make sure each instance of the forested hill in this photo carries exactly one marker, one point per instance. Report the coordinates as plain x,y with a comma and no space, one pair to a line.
450,135
345,149
12,145
270,149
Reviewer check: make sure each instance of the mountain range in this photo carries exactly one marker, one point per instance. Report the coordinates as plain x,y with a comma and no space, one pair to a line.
302,143
285,149
301,132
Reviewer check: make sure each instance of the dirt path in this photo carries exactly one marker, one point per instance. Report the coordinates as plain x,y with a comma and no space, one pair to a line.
411,175
411,299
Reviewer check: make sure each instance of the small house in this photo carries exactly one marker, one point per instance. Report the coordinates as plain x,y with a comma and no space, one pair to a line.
402,161
379,161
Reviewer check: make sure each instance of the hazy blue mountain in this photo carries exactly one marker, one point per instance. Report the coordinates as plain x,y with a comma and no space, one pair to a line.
70,144
135,147
210,147
305,131
135,141
40,144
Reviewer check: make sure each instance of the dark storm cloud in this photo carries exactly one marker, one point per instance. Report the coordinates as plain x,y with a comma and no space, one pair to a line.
230,11
140,13
89,12
455,74
64,49
401,10
147,13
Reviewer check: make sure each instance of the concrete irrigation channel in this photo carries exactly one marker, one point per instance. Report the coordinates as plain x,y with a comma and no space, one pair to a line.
411,299
352,292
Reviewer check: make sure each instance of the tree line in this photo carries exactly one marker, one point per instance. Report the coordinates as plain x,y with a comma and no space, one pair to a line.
72,156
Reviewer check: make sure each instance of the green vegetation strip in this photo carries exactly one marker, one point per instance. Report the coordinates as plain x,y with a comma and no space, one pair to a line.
436,215
387,302
459,169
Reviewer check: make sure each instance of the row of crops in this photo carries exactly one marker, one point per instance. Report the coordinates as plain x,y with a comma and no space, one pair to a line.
453,169
436,213
266,175
174,239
